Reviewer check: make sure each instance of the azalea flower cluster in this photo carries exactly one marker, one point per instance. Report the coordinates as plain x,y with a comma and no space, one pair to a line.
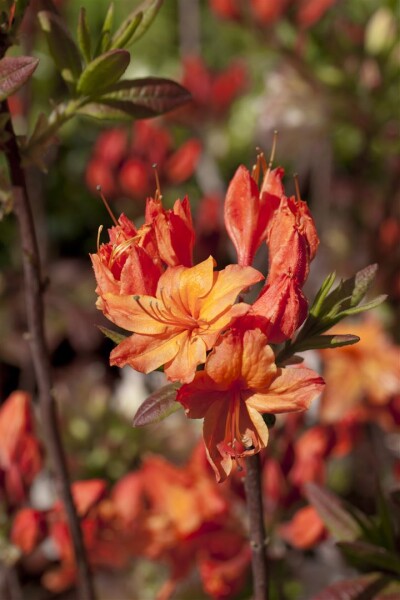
156,512
267,12
187,319
122,161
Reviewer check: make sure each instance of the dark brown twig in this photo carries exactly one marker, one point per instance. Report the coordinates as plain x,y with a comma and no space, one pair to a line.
258,540
40,353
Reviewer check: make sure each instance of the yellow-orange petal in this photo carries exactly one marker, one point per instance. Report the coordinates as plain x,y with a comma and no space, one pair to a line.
258,360
146,352
224,364
213,432
292,391
228,284
192,352
137,313
183,287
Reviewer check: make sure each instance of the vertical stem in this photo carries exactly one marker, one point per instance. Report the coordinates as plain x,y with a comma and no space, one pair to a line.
40,353
258,541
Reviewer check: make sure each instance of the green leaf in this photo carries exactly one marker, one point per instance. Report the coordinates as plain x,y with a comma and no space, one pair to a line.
14,72
124,34
105,37
158,406
320,342
340,523
366,555
149,10
138,98
368,306
361,588
83,36
114,336
103,72
322,294
61,45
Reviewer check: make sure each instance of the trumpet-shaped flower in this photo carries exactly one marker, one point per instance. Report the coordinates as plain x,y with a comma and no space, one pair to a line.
239,384
178,325
248,212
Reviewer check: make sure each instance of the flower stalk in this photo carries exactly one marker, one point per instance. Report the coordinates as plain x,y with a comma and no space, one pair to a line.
258,539
39,350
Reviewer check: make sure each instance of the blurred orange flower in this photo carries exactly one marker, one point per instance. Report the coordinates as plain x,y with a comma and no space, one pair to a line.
184,319
240,383
363,377
20,450
305,530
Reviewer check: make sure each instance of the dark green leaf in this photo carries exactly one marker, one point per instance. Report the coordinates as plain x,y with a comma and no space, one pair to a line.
340,523
103,72
138,98
158,406
14,72
61,45
365,555
114,336
320,342
124,34
83,36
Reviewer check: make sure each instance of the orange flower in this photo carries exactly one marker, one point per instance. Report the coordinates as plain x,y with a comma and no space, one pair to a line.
20,451
361,378
248,211
240,383
305,530
184,319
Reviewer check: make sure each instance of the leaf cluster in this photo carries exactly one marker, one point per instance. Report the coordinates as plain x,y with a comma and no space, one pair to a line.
371,544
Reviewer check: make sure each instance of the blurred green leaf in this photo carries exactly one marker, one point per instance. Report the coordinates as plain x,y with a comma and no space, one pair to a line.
339,521
61,45
365,555
158,406
105,37
124,35
360,588
83,36
14,72
103,72
149,10
322,294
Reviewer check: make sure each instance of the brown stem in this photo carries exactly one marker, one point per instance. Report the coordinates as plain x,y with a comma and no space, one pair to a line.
258,541
40,353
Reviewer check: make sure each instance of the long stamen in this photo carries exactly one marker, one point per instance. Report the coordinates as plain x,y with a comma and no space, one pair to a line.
158,187
110,212
297,187
271,157
98,236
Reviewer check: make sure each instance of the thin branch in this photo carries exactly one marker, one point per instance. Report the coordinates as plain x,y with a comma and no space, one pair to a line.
258,541
40,353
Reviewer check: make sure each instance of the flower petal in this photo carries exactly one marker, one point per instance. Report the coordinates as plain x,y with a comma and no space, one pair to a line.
228,284
138,314
258,360
192,352
292,391
145,352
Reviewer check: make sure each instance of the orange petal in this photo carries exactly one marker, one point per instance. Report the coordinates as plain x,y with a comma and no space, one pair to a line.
228,284
146,352
137,313
214,432
258,361
199,395
292,391
225,362
192,352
